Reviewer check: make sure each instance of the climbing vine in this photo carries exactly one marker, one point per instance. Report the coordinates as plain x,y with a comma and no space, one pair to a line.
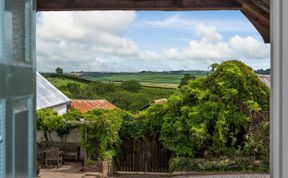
218,114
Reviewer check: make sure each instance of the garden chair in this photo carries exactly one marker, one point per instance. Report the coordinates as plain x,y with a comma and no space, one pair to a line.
55,155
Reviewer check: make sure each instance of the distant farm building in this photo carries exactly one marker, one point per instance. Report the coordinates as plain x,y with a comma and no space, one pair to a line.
88,105
161,101
265,79
48,96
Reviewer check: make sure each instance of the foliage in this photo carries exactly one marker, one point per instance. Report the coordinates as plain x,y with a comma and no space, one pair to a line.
263,72
216,115
144,124
186,79
64,128
223,164
72,89
131,85
48,121
144,77
59,71
132,101
100,136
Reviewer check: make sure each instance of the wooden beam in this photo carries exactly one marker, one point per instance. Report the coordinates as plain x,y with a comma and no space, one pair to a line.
259,15
263,26
75,5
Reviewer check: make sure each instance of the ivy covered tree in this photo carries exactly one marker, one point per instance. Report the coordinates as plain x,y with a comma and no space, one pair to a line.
219,114
101,133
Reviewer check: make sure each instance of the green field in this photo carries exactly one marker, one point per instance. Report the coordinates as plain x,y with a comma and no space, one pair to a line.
58,82
149,79
117,95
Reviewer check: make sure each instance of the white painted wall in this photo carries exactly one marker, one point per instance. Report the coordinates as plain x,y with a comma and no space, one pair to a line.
60,109
73,137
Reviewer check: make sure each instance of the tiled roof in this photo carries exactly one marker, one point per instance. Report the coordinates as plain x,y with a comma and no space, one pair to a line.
88,105
47,95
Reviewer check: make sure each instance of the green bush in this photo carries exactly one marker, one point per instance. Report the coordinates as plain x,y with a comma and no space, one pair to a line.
100,136
49,121
214,115
131,85
64,127
224,164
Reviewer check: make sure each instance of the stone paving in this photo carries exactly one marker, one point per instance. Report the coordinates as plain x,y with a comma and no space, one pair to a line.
200,176
229,176
73,170
68,170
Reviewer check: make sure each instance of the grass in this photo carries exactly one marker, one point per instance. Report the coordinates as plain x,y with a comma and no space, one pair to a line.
149,79
168,80
58,82
141,77
157,93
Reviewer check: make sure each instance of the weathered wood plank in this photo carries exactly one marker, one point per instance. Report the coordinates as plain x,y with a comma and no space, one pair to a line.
68,5
259,16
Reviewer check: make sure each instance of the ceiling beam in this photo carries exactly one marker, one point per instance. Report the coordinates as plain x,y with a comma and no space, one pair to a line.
75,5
259,15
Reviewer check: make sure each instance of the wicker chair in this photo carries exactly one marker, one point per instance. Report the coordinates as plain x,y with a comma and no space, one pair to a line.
53,154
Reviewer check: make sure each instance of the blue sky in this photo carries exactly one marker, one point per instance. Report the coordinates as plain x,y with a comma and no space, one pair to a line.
228,23
146,40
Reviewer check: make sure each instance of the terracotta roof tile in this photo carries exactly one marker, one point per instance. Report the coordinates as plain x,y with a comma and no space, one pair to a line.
88,105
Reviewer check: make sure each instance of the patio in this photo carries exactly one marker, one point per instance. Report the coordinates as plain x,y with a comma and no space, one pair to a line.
68,170
73,170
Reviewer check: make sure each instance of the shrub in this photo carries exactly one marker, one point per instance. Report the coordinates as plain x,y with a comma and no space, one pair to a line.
100,136
224,164
48,121
65,127
214,115
131,85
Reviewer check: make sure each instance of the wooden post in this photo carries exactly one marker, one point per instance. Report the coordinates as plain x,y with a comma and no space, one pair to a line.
279,96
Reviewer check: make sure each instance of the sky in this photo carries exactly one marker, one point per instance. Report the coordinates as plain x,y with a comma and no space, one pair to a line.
132,41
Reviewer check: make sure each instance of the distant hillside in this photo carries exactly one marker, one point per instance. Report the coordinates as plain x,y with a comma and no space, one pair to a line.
262,71
169,79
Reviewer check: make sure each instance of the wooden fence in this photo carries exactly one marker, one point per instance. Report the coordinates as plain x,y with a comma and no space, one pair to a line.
147,155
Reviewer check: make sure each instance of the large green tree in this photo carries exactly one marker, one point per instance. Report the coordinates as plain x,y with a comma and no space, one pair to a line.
214,115
59,71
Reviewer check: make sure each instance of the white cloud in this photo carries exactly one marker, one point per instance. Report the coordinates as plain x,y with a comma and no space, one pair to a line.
94,42
179,21
208,47
249,47
66,38
208,33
